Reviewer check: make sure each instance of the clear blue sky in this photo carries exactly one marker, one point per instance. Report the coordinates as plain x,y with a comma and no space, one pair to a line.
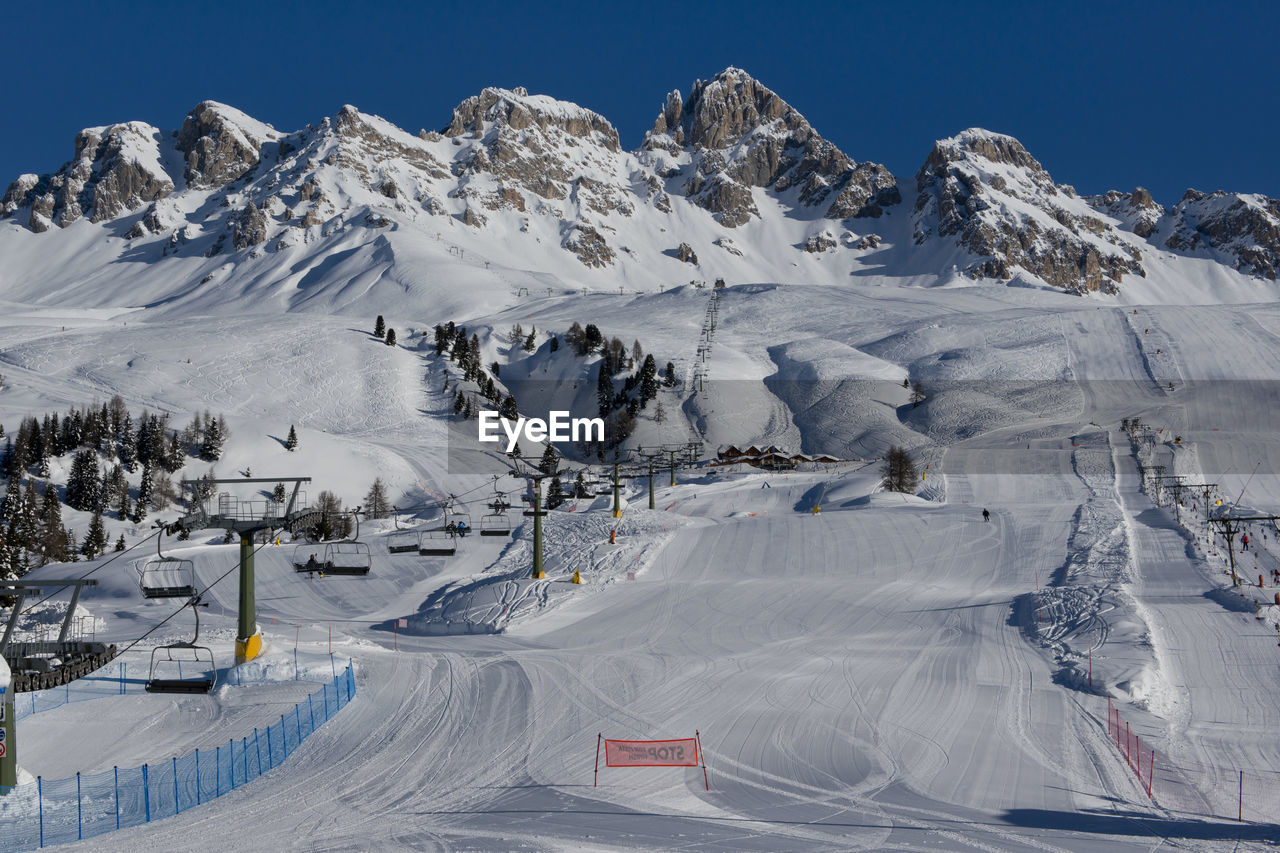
1105,95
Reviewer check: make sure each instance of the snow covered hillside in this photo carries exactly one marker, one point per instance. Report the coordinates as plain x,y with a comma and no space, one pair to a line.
866,669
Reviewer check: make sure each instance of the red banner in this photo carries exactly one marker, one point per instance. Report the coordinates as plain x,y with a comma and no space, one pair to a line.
651,753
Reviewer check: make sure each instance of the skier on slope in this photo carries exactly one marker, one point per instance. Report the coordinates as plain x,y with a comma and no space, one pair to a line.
986,515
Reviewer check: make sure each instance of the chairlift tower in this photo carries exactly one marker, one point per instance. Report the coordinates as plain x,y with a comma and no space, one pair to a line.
1229,526
649,456
245,519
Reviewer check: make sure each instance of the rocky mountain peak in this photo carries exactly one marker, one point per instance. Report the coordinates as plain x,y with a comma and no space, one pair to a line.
986,191
220,144
517,110
978,144
734,133
115,169
1242,226
1138,210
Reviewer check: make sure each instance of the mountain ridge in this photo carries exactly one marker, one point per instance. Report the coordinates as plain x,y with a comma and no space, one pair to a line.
732,171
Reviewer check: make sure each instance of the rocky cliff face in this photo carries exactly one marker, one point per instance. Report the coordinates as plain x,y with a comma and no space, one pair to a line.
535,145
1241,229
985,193
115,169
1137,210
734,134
219,144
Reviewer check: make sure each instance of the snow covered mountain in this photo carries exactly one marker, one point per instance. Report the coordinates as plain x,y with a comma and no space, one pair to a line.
732,182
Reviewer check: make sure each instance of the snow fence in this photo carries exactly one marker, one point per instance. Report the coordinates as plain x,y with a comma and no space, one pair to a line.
65,810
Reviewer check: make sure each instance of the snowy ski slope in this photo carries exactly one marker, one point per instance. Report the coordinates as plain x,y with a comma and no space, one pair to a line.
879,675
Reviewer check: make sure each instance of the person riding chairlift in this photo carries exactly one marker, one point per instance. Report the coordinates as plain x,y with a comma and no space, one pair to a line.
312,566
462,529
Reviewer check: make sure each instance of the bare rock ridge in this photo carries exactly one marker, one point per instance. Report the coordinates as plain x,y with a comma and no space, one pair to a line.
730,154
1245,228
219,144
735,134
986,193
115,169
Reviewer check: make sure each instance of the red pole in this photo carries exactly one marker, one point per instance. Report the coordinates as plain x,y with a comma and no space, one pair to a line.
1128,750
705,778
596,781
1151,773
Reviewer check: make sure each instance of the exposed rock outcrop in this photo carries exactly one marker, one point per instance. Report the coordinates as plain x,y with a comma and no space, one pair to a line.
250,228
115,169
220,144
734,134
588,245
987,194
1137,210
1244,227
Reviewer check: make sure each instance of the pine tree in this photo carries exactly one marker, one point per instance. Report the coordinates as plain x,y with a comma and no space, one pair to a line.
508,409
144,495
531,342
671,374
550,462
391,337
580,486
555,493
459,403
120,543
648,379
175,456
379,328
604,389
278,494
376,502
211,448
53,538
84,489
516,335
659,413
127,447
95,541
555,343
291,443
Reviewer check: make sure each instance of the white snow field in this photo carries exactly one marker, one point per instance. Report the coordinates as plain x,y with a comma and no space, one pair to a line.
890,672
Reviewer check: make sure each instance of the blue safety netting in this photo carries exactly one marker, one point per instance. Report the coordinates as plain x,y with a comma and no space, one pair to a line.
58,811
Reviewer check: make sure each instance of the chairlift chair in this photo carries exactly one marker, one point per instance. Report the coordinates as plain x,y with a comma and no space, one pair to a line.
302,558
402,542
495,524
437,543
347,558
166,674
167,577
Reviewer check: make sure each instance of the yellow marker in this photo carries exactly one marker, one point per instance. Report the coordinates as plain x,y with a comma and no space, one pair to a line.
577,578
